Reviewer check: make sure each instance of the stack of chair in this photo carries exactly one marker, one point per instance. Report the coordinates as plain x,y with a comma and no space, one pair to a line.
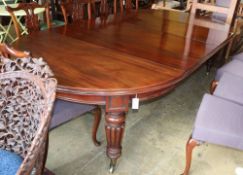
220,116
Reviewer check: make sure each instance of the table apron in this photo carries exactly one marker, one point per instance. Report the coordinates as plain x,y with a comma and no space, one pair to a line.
101,100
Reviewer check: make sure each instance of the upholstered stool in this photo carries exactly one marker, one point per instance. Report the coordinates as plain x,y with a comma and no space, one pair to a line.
9,162
64,111
238,56
234,67
230,87
218,121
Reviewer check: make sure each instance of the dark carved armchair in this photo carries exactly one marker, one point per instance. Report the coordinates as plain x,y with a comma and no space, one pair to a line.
27,93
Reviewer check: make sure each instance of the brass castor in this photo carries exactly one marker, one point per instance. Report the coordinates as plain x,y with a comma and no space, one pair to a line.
112,166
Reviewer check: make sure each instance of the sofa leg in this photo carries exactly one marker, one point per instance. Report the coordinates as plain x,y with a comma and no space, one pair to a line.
97,118
191,143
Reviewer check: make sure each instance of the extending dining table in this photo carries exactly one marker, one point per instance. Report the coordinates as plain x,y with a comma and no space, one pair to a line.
112,59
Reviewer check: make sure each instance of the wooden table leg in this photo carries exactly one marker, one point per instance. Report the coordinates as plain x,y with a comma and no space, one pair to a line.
116,108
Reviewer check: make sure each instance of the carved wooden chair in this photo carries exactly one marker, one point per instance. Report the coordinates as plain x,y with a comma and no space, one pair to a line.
128,5
26,100
219,121
75,9
32,22
234,66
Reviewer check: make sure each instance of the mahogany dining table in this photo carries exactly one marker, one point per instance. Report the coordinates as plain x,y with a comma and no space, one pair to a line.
112,59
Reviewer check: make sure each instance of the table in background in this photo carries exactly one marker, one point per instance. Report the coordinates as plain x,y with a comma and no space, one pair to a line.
110,60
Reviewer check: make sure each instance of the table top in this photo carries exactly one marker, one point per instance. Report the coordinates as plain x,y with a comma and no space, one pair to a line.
4,12
145,53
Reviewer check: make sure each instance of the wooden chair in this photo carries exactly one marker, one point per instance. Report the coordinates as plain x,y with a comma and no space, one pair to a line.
75,9
128,5
27,96
182,6
236,42
226,12
32,22
238,31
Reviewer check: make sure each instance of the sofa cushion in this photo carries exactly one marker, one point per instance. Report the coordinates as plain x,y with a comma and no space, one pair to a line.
9,162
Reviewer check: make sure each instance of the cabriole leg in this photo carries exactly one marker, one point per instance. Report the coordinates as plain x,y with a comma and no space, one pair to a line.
97,118
191,143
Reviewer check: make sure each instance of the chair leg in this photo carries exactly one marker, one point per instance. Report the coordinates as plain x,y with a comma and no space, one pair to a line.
42,157
114,6
191,143
121,6
213,86
89,11
209,64
97,118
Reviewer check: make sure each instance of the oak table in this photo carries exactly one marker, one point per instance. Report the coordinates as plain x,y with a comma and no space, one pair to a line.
110,60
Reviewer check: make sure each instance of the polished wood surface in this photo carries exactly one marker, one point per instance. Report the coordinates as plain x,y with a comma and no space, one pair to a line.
109,60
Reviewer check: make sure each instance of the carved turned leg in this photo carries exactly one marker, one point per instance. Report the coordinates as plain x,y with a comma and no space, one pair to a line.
97,117
116,108
213,86
191,143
